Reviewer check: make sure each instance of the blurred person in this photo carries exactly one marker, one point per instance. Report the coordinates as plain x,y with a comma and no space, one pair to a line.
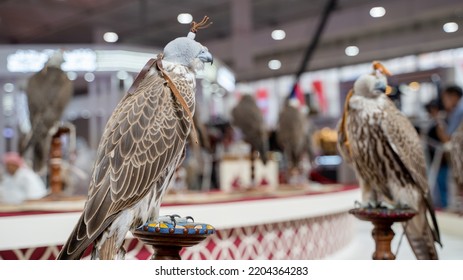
453,105
19,182
440,193
452,102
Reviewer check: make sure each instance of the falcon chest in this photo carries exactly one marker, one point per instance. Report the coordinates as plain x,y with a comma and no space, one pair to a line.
366,138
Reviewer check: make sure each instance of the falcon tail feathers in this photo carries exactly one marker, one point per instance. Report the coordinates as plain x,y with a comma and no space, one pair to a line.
435,230
74,248
421,238
263,153
37,141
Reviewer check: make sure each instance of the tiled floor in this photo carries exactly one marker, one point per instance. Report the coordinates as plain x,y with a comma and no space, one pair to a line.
362,246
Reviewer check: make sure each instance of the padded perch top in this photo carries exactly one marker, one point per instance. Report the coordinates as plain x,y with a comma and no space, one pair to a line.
383,214
186,226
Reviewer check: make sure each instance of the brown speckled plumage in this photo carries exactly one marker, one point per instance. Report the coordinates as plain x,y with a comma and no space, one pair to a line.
142,145
248,118
143,142
387,156
48,93
292,134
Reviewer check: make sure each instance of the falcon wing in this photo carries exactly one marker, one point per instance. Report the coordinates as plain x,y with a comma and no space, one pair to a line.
342,144
142,139
248,118
405,143
343,141
48,93
292,133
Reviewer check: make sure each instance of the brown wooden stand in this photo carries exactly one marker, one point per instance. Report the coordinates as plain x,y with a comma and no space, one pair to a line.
382,220
56,182
167,247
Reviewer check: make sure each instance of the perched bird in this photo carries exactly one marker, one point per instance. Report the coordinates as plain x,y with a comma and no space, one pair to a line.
292,135
142,145
48,93
456,157
248,118
385,151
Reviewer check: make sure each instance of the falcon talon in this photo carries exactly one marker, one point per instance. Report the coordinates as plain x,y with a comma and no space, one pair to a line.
172,219
385,205
366,205
403,206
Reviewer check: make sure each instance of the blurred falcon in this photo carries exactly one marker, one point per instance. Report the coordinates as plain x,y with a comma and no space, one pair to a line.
292,135
141,147
387,156
248,118
48,93
456,158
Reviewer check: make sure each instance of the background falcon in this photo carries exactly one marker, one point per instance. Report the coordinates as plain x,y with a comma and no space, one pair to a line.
248,118
456,158
292,136
387,156
141,147
48,93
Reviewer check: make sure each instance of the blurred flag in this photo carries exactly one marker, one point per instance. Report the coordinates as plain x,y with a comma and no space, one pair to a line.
319,92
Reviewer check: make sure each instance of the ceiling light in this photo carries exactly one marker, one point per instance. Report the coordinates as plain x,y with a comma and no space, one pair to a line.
72,75
185,18
122,75
110,37
274,64
85,114
352,51
89,77
377,12
8,87
278,34
450,27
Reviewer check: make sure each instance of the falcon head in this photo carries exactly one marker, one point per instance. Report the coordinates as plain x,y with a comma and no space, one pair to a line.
187,52
370,85
56,59
374,84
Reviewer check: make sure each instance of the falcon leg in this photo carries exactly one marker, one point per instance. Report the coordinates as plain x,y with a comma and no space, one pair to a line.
173,219
94,255
402,205
386,205
121,253
368,204
369,197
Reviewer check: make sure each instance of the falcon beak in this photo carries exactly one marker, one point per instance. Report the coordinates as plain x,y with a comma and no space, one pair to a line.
388,90
381,87
206,56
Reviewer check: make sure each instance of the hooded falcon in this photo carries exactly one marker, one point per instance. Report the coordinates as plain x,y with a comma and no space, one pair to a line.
248,118
142,145
386,154
48,93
